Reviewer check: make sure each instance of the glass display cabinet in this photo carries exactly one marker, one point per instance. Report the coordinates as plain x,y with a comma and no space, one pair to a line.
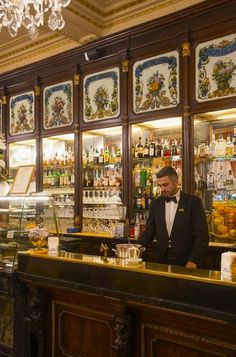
59,175
102,180
19,218
22,153
215,170
155,144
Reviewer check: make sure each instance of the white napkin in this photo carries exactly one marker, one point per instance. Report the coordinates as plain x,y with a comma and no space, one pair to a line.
228,263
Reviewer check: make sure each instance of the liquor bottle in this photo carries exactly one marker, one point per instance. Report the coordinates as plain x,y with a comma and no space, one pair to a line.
202,184
173,148
101,157
158,149
137,227
137,176
196,179
221,179
203,150
180,148
152,149
61,177
229,147
106,155
212,147
144,200
138,199
143,176
72,177
96,157
149,181
220,146
140,148
69,156
90,155
118,158
210,180
112,155
146,149
229,182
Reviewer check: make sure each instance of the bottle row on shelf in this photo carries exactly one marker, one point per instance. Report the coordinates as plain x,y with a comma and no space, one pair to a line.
100,156
219,147
58,177
160,148
103,178
65,158
145,176
216,176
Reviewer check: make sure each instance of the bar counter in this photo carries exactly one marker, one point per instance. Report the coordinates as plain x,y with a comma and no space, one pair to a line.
193,309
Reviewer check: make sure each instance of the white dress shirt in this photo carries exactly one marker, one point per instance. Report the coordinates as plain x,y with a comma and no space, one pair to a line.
170,212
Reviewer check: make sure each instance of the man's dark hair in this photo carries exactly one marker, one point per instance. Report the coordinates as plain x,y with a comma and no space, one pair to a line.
167,171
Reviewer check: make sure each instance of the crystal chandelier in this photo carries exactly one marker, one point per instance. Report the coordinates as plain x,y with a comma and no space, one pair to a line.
30,14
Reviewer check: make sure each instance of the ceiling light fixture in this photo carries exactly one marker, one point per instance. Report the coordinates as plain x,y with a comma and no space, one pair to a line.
30,14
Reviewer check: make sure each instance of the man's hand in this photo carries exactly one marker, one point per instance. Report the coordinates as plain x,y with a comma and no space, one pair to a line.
191,265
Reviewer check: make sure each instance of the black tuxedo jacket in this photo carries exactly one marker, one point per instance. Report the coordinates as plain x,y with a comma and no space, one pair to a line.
189,236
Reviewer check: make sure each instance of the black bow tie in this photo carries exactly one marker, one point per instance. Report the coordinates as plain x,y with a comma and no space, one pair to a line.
168,199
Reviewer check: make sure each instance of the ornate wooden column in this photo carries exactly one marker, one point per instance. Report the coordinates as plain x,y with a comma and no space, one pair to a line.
125,127
35,324
78,154
187,125
39,146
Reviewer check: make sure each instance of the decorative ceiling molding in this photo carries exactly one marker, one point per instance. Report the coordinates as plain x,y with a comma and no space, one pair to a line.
86,21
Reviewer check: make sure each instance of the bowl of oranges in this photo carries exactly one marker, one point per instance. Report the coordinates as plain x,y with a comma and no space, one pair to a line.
223,222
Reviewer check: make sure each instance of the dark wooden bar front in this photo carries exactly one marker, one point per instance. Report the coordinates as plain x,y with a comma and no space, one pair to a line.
81,305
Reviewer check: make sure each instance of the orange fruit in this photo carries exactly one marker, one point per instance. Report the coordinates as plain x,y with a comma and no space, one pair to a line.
222,229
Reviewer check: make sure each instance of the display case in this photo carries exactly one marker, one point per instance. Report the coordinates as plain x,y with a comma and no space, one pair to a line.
20,217
155,144
102,177
215,171
59,175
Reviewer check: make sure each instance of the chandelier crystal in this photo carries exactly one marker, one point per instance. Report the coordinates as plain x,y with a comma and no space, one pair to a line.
30,14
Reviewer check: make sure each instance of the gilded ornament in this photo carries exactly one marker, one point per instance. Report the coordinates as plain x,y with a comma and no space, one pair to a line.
4,99
125,66
76,79
185,49
37,90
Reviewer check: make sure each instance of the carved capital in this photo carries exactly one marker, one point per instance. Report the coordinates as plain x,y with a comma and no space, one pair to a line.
4,99
76,79
125,65
37,90
185,49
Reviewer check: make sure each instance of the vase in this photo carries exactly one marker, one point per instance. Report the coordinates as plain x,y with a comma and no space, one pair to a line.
4,188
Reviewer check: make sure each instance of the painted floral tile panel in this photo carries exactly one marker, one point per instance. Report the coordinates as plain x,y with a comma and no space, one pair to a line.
58,105
216,69
0,117
22,114
156,83
101,95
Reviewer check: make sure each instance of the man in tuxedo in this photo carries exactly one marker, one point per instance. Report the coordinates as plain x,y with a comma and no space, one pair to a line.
178,221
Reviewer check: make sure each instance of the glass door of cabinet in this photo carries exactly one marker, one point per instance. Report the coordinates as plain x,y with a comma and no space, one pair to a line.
59,175
22,153
215,170
155,144
102,180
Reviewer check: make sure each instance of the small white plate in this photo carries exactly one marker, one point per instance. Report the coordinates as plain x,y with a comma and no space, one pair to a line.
134,260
